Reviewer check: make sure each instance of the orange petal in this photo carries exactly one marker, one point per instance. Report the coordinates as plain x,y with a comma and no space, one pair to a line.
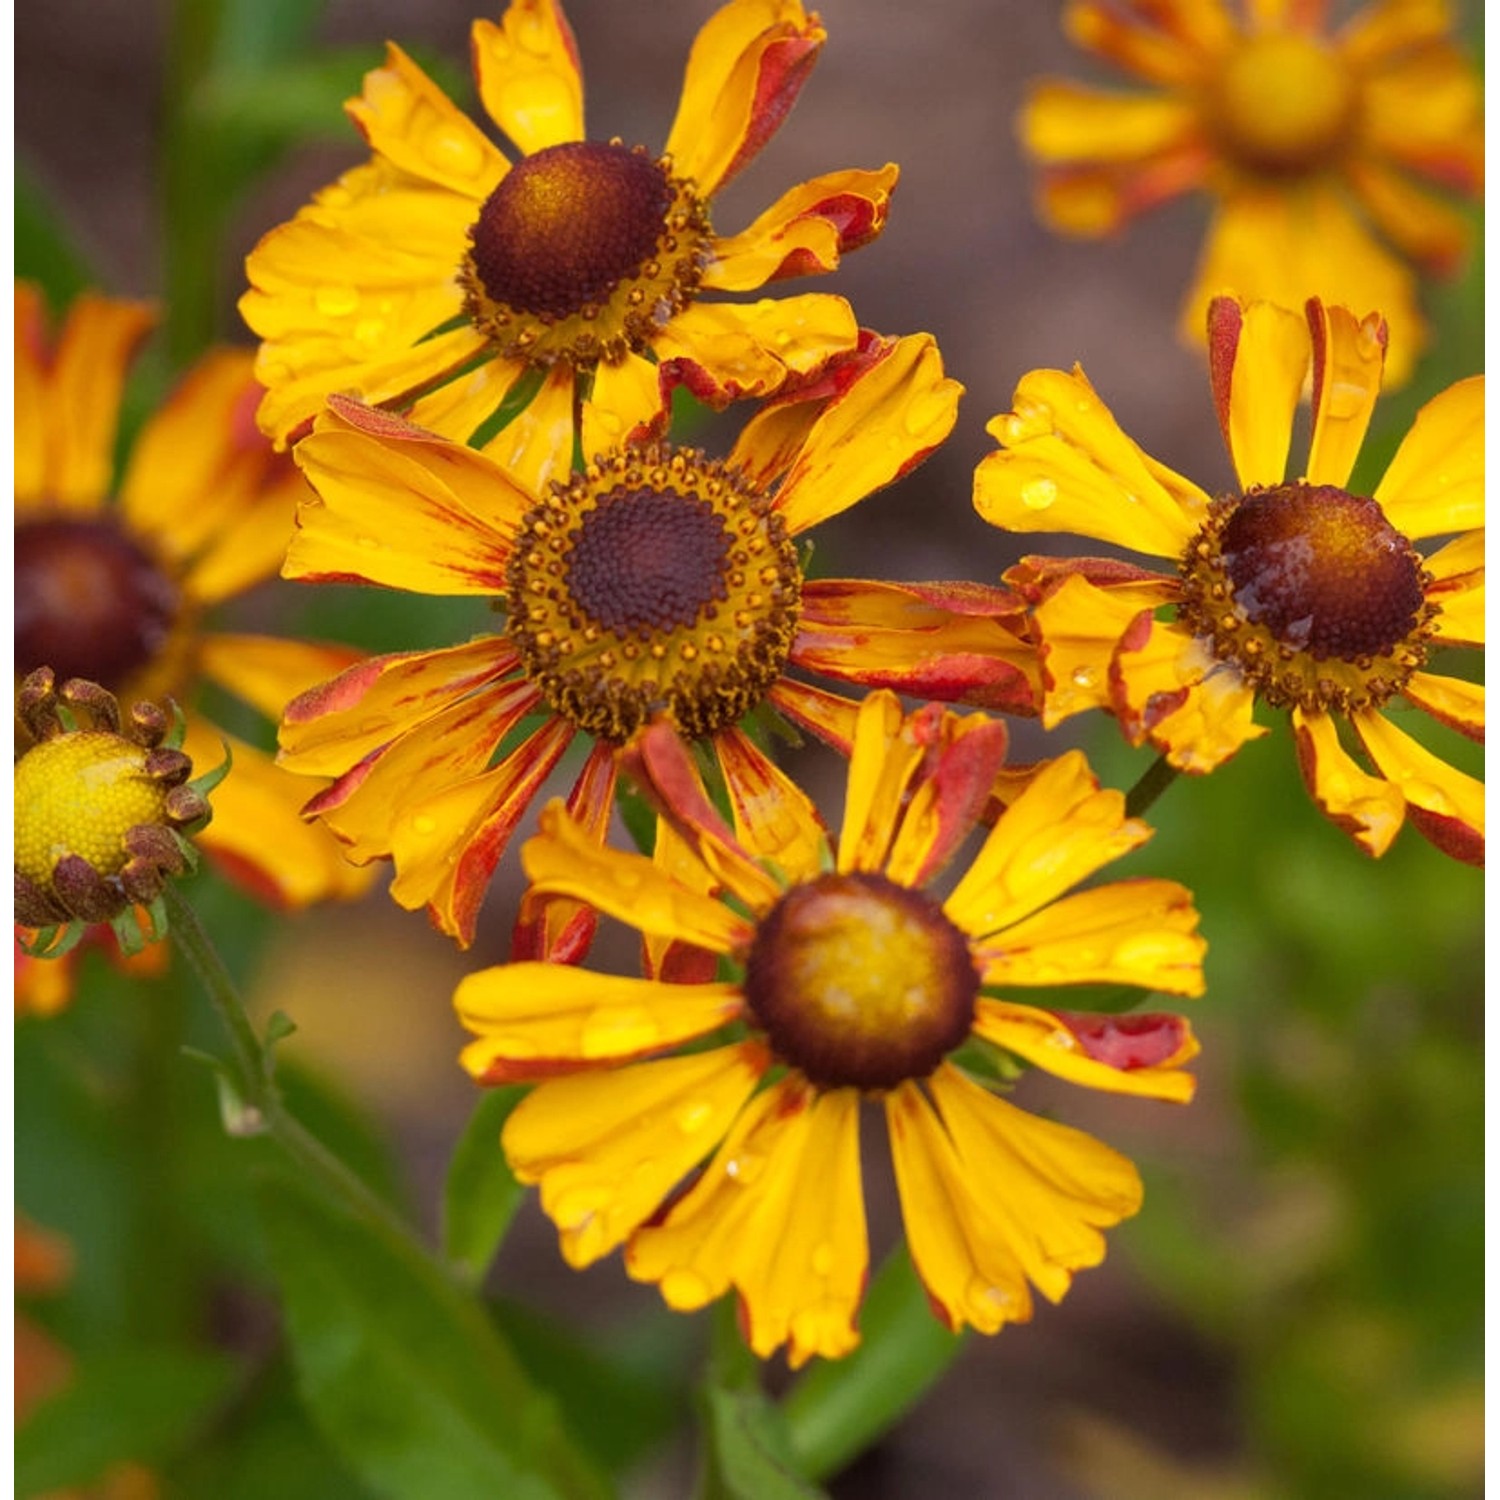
1348,354
1057,832
1435,483
1423,107
1062,121
1445,804
773,816
778,1215
269,671
1171,47
528,74
746,68
806,231
1092,201
827,715
1368,808
607,1150
1140,932
1420,225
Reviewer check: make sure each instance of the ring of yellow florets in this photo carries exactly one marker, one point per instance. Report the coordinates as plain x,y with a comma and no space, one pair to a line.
655,583
92,603
1311,593
859,982
101,807
583,252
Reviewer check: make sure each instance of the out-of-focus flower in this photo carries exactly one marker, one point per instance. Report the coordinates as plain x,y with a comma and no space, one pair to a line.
656,582
43,986
443,274
116,591
102,813
1294,593
1307,139
851,980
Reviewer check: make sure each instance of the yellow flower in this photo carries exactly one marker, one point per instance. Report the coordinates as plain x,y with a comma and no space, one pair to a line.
1294,593
441,274
657,581
1307,139
852,980
116,591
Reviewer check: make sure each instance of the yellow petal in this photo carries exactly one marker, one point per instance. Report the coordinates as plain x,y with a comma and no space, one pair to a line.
336,724
411,122
876,429
269,671
1461,613
1348,356
1428,783
773,817
1435,483
1060,830
460,407
1450,700
94,350
806,231
607,1149
1368,808
746,67
1065,465
537,447
258,837
529,80
1141,932
536,1019
1258,358
779,1216
628,887
1063,121
1171,48
881,763
1424,108
1047,1043
251,547
624,406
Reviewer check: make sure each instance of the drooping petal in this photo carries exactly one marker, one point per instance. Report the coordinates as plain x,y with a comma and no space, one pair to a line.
1141,932
1283,245
1066,465
874,430
1450,700
773,816
745,70
626,405
955,642
1348,354
779,1216
728,351
628,887
1127,1054
1060,830
1368,808
1258,356
258,837
528,74
993,1197
535,1020
331,727
1435,483
416,127
269,671
806,231
1445,804
608,1152
84,383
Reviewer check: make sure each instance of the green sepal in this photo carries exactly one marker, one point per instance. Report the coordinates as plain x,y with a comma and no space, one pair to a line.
47,943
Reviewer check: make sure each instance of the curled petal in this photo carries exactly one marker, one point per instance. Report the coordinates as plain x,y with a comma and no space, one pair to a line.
1446,805
1348,354
1368,808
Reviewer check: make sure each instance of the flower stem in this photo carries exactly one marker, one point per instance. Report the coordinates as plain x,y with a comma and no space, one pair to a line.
1155,779
254,1076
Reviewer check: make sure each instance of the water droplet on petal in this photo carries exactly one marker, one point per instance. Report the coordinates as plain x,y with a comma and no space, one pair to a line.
1038,494
617,1029
336,301
1084,677
691,1118
453,152
823,1259
424,823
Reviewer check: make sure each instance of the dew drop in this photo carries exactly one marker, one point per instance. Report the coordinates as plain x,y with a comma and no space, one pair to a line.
692,1117
823,1259
1084,677
1346,398
615,1030
451,152
336,301
1038,494
424,823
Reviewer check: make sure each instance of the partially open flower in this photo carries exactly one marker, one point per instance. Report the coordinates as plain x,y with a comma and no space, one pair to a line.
103,808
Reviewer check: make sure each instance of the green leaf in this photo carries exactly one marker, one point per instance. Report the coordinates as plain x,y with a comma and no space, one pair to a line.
838,1409
481,1195
130,1404
750,1452
403,1372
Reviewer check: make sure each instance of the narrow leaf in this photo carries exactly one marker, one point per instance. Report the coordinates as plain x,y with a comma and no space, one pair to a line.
481,1195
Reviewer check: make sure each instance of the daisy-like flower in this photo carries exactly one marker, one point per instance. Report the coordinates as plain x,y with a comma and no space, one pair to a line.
442,273
1309,140
116,590
1294,593
655,582
738,1166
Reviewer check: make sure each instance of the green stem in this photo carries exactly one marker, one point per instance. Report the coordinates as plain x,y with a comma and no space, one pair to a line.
1156,778
254,1080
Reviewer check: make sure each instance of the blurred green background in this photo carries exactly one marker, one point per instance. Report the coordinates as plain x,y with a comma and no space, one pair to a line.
1296,1312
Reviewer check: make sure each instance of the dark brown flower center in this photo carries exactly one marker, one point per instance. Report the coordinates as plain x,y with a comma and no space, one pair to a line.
568,224
645,561
859,982
89,601
1322,570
